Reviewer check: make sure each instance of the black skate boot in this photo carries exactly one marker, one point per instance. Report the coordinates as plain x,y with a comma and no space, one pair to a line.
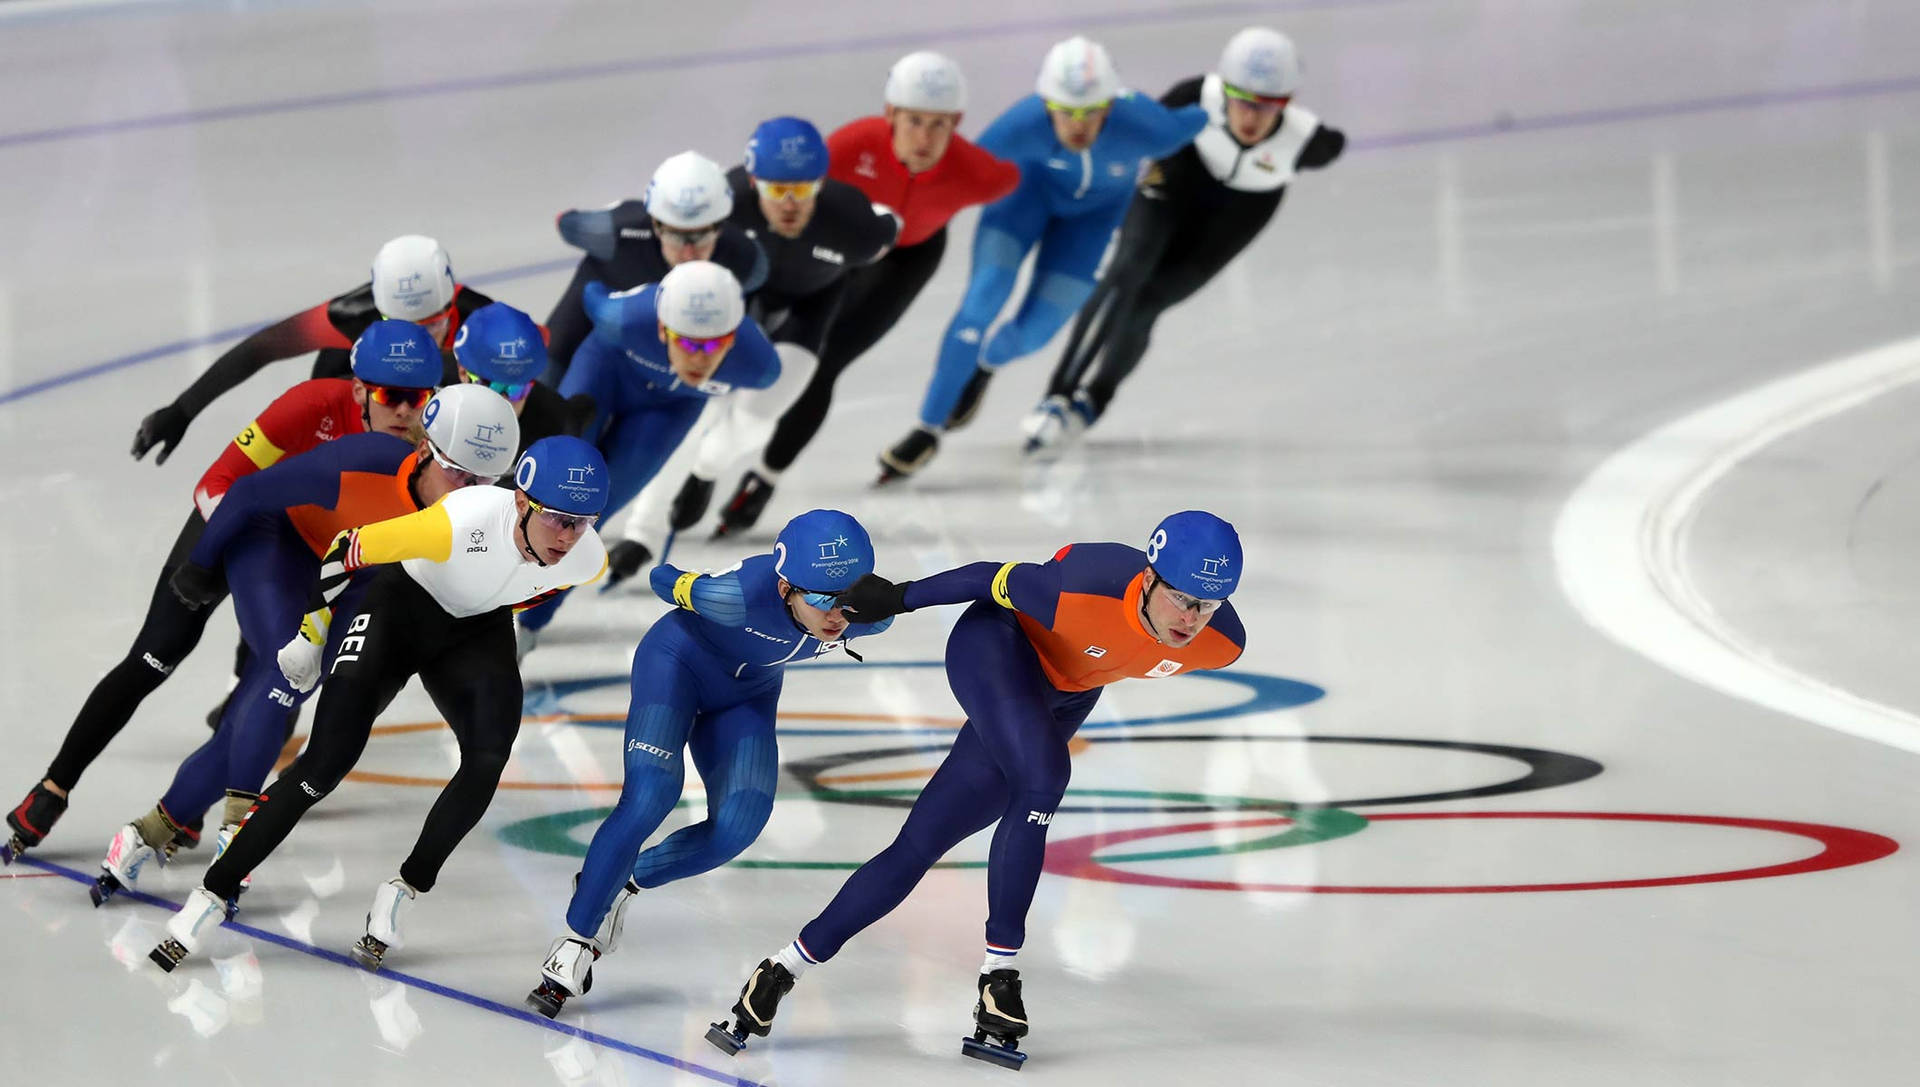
999,1020
625,559
971,394
908,455
743,510
691,503
753,1012
31,821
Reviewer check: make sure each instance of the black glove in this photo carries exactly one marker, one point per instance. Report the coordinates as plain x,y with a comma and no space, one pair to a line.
163,428
624,560
196,586
691,503
874,598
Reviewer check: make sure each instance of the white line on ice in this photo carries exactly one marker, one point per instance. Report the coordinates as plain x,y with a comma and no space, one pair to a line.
1621,539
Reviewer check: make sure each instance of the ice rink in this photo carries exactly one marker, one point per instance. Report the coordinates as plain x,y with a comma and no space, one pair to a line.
1565,420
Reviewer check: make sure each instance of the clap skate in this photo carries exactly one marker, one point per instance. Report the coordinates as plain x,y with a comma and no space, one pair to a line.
1000,1020
753,1012
391,900
154,836
31,821
1057,423
127,854
201,914
743,510
908,455
568,973
971,394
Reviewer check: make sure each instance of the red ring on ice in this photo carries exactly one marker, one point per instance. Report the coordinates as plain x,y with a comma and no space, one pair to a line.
1840,847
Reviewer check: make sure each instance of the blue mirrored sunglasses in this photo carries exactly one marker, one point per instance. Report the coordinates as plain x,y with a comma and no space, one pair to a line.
513,391
823,601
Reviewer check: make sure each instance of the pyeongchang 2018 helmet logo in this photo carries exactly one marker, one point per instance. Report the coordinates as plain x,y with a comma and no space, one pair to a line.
831,562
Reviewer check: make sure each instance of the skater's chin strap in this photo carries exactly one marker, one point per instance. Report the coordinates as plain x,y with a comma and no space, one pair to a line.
526,541
1146,620
787,599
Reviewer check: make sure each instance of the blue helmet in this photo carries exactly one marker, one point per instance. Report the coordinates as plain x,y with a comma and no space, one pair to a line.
564,474
1196,553
397,353
500,344
787,149
823,551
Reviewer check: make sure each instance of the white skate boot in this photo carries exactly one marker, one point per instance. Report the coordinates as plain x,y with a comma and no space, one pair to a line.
568,973
126,855
1057,423
202,913
391,901
607,936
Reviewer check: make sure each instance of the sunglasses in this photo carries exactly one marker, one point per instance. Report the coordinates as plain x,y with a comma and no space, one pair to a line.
513,391
1265,101
564,522
1192,605
461,476
1078,113
785,190
394,396
687,237
823,601
700,347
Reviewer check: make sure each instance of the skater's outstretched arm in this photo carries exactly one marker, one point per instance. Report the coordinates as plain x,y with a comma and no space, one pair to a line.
718,597
1032,588
308,330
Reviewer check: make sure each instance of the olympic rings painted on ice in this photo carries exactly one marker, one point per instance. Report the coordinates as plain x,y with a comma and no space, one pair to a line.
1840,847
1265,693
1545,770
554,833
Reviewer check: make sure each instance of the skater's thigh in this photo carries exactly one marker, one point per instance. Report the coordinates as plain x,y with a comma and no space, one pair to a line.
475,683
1073,247
271,572
995,674
735,751
966,794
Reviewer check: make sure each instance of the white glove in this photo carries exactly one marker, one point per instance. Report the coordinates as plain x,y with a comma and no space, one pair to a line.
300,663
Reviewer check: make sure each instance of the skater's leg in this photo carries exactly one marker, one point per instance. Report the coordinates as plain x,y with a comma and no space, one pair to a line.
396,617
474,680
168,634
271,572
1199,247
660,716
738,759
1007,231
964,795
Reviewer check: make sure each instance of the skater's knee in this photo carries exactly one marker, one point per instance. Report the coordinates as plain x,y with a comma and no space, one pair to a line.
484,766
740,820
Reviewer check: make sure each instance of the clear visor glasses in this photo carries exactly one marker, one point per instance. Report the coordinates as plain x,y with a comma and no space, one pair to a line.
563,522
463,477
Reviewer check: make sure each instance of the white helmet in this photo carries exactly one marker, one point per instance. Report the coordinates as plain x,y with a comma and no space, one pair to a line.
412,279
1077,72
700,298
474,427
689,191
1261,61
926,81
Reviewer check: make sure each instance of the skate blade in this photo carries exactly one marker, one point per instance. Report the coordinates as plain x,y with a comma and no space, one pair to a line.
369,953
545,1002
104,888
725,1040
167,954
1004,1056
11,850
